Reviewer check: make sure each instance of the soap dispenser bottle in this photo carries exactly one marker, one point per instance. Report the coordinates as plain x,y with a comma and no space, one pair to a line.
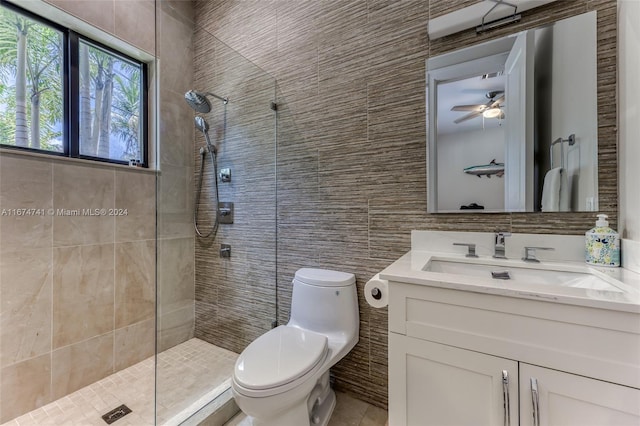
602,244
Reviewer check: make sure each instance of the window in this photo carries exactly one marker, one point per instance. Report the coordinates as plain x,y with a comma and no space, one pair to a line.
64,94
31,83
110,104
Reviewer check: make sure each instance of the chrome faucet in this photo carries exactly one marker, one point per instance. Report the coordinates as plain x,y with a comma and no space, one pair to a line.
499,245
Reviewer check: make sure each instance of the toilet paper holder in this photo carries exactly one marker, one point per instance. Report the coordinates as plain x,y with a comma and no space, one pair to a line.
376,293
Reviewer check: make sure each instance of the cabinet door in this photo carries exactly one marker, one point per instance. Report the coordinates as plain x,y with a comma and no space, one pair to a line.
439,385
565,399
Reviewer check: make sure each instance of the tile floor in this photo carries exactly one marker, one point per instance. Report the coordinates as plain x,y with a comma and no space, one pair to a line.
349,411
195,369
189,376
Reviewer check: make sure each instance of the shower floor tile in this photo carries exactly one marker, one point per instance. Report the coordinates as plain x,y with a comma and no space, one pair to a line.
190,375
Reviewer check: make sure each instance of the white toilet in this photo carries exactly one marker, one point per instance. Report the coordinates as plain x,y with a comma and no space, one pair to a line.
282,377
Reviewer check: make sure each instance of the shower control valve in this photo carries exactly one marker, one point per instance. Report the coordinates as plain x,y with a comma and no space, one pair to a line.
225,212
225,250
225,175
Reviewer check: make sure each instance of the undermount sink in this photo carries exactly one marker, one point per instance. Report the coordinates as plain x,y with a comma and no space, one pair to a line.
534,274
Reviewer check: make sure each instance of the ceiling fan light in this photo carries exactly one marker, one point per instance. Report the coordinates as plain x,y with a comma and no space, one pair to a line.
492,113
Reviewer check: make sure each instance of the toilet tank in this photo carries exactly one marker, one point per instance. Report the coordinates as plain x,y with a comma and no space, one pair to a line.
326,302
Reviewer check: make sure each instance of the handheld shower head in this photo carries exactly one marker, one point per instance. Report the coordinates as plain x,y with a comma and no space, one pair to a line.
201,124
197,101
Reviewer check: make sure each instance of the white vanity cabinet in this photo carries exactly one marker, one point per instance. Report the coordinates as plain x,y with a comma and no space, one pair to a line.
465,358
559,398
436,384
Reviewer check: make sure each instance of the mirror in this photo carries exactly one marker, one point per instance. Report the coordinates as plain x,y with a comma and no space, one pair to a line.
512,123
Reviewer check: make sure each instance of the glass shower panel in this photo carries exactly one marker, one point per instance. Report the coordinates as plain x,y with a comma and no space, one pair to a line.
209,306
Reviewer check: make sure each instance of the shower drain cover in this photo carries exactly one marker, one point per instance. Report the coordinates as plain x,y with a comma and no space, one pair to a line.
116,414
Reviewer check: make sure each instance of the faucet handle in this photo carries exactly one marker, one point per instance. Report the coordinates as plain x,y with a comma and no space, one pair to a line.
500,236
472,249
530,253
499,244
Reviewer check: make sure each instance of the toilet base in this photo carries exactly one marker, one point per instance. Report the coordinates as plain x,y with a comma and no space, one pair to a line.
322,413
298,416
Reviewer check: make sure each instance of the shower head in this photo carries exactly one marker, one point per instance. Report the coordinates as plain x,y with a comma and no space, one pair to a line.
202,125
197,101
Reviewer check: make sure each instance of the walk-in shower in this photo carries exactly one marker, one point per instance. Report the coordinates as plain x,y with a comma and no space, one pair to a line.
210,305
200,103
135,308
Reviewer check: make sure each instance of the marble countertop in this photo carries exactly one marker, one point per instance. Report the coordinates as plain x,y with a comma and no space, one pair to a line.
625,294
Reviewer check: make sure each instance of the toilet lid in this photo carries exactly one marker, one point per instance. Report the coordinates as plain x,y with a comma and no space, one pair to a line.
324,277
278,357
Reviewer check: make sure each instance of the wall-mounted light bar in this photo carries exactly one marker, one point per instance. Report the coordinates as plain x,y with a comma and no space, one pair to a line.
492,11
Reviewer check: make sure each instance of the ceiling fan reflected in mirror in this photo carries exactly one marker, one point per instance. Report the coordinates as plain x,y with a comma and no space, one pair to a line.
491,109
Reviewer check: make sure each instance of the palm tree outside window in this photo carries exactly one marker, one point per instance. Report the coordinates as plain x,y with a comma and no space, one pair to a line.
64,94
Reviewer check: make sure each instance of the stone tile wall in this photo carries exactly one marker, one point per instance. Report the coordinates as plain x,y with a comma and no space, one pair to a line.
351,166
77,293
236,297
130,20
176,243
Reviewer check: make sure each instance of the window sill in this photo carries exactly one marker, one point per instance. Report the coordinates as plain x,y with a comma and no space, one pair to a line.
61,159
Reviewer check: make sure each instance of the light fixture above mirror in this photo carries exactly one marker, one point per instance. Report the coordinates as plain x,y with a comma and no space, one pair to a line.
485,12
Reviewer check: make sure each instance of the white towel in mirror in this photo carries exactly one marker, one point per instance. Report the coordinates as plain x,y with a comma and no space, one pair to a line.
555,191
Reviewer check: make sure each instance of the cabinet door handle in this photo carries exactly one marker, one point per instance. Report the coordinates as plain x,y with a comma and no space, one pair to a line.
535,400
505,396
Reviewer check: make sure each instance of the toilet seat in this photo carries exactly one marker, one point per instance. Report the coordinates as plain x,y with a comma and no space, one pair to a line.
280,357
